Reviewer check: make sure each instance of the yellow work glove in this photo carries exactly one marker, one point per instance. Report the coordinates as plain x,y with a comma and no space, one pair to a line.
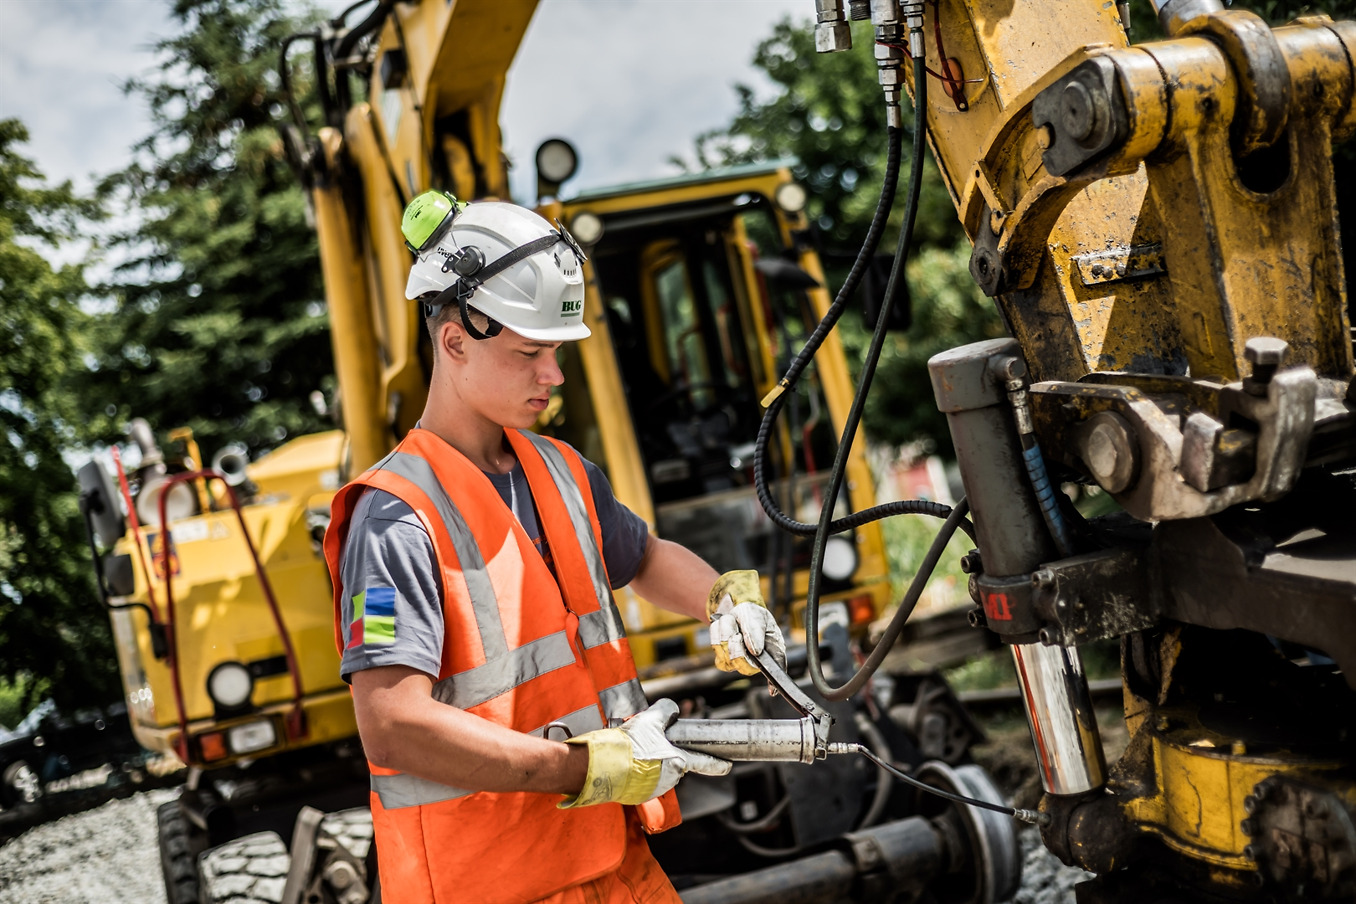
636,763
741,624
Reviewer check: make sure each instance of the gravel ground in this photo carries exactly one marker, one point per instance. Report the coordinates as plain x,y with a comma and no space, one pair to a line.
102,856
1044,879
108,856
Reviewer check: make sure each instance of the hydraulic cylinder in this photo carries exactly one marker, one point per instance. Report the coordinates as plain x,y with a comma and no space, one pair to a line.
970,384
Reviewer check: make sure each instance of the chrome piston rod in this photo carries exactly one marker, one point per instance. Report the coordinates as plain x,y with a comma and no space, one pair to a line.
1059,711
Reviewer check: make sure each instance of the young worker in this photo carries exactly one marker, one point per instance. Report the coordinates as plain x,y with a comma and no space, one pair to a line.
473,570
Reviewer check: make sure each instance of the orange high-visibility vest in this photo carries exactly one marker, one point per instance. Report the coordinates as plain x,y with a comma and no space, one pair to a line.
522,649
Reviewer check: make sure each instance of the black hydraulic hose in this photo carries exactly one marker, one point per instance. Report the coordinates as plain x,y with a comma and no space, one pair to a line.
373,21
779,395
285,79
892,630
892,289
774,406
1030,817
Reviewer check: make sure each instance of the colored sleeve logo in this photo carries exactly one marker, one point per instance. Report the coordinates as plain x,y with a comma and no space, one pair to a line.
373,617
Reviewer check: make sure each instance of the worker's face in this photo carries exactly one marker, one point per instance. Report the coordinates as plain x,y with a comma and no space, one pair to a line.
508,378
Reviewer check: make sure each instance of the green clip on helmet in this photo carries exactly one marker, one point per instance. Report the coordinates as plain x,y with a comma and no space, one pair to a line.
501,259
427,218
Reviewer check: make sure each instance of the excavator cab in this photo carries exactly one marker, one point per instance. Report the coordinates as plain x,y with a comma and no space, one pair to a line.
701,288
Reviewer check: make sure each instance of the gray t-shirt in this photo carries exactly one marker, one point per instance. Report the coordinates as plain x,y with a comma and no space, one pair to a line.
389,569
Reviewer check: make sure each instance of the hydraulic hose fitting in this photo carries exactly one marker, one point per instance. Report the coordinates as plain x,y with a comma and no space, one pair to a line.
890,67
832,31
913,18
888,18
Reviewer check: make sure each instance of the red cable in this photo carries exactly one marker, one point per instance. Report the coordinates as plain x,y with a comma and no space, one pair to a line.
296,726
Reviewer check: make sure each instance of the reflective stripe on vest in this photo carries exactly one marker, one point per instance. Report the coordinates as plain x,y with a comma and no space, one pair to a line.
485,682
604,626
622,700
483,600
400,790
579,517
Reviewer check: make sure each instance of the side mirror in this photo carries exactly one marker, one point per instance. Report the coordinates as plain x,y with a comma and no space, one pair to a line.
784,274
99,503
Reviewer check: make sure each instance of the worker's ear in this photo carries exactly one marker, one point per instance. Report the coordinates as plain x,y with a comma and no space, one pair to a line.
452,340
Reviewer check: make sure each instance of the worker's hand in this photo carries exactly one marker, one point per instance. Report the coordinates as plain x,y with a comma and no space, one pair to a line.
636,763
741,626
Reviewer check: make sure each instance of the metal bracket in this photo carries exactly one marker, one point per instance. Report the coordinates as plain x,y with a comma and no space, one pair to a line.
1094,596
322,869
1085,114
1189,462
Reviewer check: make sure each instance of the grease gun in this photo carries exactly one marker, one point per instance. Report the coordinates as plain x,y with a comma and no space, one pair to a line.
802,740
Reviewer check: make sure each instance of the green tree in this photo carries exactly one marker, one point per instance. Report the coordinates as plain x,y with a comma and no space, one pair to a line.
53,636
216,319
829,114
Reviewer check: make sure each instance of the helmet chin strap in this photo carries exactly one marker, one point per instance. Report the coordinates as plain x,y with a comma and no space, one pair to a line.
492,329
437,303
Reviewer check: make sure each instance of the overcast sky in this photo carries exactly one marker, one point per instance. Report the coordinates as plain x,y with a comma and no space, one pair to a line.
628,82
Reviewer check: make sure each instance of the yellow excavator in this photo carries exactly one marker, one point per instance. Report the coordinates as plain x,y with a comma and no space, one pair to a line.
1157,225
700,291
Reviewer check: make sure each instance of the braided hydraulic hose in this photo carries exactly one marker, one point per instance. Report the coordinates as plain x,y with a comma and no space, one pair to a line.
777,398
825,528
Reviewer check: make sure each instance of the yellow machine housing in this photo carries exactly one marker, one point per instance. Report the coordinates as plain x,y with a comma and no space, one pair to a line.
1157,225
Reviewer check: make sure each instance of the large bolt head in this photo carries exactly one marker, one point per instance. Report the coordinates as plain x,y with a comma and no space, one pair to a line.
1266,351
341,874
1078,114
1109,449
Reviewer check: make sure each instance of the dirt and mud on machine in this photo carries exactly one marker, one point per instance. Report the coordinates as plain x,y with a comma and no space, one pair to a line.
1158,227
700,291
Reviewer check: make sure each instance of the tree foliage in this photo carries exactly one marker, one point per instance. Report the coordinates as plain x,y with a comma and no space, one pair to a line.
55,638
216,319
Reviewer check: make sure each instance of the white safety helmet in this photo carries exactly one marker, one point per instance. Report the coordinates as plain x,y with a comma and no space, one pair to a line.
500,259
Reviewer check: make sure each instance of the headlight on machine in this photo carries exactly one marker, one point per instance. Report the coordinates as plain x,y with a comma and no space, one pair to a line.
230,685
251,736
790,197
840,559
181,503
586,227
